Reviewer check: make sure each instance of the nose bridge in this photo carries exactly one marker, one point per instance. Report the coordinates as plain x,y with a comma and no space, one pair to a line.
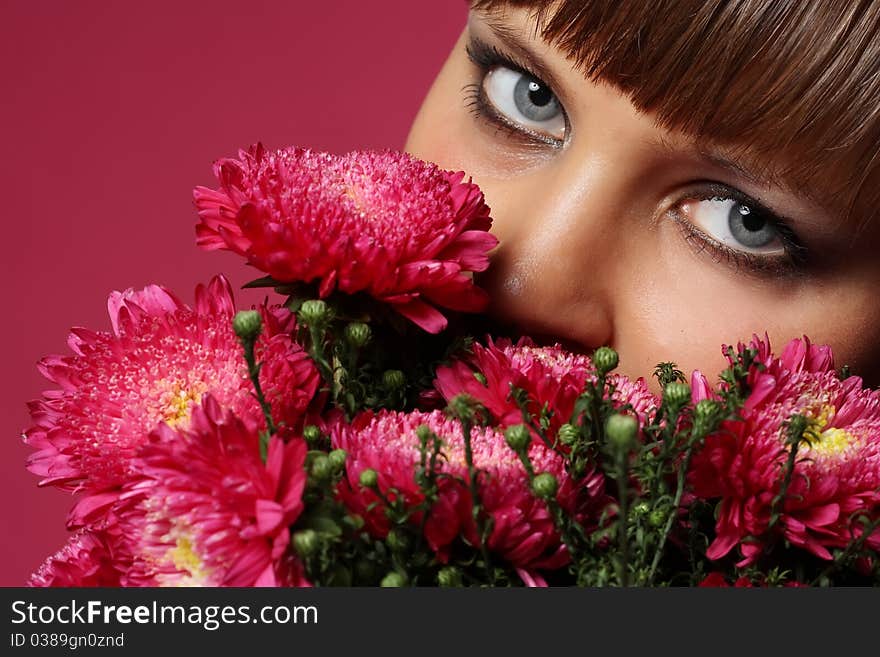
557,228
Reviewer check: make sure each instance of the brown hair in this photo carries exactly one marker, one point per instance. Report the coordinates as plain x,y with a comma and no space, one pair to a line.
796,82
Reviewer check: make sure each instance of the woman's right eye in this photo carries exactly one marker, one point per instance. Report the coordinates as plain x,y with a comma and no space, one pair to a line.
524,101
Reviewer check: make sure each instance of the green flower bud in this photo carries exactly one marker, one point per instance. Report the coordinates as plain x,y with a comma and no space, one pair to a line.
707,415
657,518
463,406
306,542
321,468
312,434
641,509
706,409
423,433
676,394
518,437
393,580
393,379
358,334
449,576
621,431
544,486
568,434
368,478
247,324
314,312
667,373
337,459
605,359
354,522
397,540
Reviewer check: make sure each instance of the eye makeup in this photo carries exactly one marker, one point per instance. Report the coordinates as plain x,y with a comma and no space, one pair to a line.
789,261
488,58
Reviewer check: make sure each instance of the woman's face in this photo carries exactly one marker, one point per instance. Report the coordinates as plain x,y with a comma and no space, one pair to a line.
615,231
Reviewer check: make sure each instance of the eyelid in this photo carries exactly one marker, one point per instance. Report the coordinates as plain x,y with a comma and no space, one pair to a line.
796,254
760,266
486,57
517,57
485,111
721,190
782,224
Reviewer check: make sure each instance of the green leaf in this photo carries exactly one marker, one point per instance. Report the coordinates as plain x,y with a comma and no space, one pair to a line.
265,281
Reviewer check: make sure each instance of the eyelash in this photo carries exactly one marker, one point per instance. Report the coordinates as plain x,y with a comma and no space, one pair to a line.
791,264
487,57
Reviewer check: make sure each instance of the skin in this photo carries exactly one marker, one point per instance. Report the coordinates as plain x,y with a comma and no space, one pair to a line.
592,250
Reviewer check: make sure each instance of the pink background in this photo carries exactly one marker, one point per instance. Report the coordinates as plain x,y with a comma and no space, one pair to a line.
112,112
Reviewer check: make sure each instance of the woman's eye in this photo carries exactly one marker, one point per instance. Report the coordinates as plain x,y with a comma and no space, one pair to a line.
525,101
735,225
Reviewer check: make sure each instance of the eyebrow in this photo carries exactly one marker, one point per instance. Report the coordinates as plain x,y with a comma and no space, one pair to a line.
512,41
760,176
743,166
736,168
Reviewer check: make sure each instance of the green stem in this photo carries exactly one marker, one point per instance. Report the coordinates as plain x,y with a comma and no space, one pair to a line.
679,492
622,527
796,435
473,481
559,516
316,351
254,375
853,548
431,490
595,410
529,421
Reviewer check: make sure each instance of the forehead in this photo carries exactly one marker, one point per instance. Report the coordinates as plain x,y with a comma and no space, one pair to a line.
792,90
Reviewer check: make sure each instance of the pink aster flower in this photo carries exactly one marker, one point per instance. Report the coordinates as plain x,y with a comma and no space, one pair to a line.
551,376
523,533
718,580
160,360
401,230
86,560
205,510
837,473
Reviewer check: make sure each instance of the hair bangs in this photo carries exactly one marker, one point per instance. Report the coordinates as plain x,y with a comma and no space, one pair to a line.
793,84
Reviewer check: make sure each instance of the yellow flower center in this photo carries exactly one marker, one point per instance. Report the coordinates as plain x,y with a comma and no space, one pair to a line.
189,564
825,441
185,558
177,401
354,194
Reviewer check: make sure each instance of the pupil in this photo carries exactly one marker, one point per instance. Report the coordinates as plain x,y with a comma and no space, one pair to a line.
539,94
534,100
750,221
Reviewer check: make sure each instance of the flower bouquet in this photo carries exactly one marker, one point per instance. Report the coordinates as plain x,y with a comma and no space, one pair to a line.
366,425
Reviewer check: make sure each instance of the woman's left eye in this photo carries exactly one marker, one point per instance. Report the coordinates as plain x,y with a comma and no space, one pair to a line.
526,101
736,225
